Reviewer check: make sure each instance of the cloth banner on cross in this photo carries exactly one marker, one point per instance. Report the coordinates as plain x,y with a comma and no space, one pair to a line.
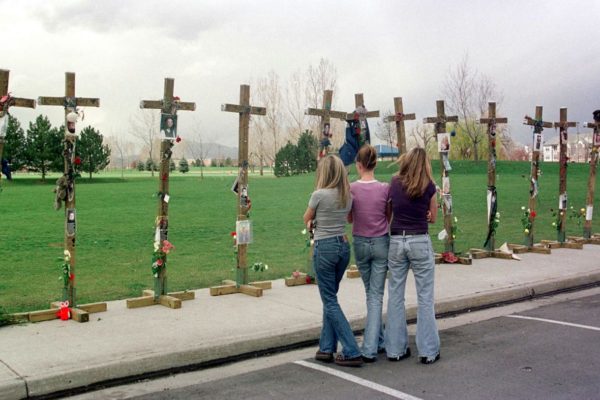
357,134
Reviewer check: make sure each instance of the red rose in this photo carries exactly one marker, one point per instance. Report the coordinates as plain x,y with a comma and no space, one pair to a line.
159,262
71,277
533,214
178,139
77,160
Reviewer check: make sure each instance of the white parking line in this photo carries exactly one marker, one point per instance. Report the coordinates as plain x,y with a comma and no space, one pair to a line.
360,381
593,328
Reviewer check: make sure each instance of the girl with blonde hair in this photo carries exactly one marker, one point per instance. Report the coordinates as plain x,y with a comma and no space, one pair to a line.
327,209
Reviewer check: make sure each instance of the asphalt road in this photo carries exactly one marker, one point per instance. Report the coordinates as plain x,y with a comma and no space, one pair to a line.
495,355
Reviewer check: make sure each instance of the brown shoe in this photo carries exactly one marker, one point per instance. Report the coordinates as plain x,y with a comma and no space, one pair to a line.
324,357
348,362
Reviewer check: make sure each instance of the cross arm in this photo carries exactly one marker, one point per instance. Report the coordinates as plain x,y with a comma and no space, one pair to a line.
493,120
565,124
321,113
87,102
400,117
435,120
593,125
531,121
244,109
51,101
368,114
21,102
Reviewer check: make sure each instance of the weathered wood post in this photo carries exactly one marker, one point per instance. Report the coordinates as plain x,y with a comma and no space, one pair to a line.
587,226
325,115
399,117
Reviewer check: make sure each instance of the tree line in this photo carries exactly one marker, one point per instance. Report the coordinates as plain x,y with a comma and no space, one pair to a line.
40,148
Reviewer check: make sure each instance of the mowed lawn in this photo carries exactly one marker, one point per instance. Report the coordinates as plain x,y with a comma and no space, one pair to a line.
115,228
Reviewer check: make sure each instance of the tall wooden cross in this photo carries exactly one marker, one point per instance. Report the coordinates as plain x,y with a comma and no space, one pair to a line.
587,226
325,115
7,101
241,285
561,222
399,117
537,141
360,113
447,209
491,122
169,105
70,103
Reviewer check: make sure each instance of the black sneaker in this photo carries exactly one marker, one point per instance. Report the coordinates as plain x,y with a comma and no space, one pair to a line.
401,357
348,362
369,360
324,357
381,350
429,360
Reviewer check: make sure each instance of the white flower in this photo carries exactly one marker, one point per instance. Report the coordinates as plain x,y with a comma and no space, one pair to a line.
266,267
67,253
156,245
455,219
526,230
497,215
554,224
304,231
523,208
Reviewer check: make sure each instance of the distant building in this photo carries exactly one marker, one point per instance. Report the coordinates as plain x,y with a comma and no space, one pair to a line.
384,150
578,148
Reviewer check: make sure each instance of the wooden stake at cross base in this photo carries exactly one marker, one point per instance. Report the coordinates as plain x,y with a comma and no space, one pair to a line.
538,125
169,105
241,284
66,194
6,102
490,248
440,121
399,117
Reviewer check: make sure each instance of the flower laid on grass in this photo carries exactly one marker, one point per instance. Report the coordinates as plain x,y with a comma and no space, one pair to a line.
66,269
159,257
259,266
557,215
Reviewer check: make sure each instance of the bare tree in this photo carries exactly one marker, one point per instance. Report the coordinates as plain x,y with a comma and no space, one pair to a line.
295,104
197,147
468,92
144,126
423,135
386,131
318,79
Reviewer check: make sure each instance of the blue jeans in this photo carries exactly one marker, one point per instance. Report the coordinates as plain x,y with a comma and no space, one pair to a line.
330,258
416,252
371,254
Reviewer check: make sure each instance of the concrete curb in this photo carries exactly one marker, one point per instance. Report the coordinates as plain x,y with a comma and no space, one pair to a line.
160,364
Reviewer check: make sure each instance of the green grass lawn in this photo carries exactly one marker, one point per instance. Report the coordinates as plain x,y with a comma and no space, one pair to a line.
116,225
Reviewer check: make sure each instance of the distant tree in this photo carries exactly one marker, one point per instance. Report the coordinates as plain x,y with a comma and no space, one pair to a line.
285,160
150,165
172,166
140,165
14,144
386,130
228,162
94,155
424,137
183,165
44,146
144,126
306,151
213,162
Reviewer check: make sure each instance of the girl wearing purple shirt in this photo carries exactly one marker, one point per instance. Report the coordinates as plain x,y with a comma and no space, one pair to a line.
414,205
370,216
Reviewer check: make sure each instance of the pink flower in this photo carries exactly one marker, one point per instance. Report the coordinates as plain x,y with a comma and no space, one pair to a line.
159,262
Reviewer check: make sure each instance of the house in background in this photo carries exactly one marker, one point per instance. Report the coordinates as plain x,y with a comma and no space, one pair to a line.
383,151
578,148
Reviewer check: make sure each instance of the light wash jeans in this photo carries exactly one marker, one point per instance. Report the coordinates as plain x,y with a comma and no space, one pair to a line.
330,258
416,252
371,255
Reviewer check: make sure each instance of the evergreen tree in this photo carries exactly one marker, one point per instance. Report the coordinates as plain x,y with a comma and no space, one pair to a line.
150,166
44,146
140,165
285,161
306,152
94,156
183,166
14,144
172,166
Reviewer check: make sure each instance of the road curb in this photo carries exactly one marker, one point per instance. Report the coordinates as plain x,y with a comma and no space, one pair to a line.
161,364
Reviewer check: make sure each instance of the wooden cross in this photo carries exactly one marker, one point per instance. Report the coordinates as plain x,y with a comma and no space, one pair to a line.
491,122
587,226
169,105
538,126
440,127
241,285
563,125
7,101
399,117
359,102
70,103
325,115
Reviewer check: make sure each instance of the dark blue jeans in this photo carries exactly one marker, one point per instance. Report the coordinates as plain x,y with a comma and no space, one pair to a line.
330,258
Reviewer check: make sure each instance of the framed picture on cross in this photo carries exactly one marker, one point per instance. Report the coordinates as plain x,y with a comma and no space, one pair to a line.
443,142
168,125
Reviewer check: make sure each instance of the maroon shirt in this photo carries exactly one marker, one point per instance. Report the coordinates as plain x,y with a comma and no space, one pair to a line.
409,214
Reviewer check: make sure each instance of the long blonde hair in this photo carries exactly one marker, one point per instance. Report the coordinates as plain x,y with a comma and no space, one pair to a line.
415,172
331,174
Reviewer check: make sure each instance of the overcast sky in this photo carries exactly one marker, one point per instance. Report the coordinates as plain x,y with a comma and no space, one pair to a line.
537,52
